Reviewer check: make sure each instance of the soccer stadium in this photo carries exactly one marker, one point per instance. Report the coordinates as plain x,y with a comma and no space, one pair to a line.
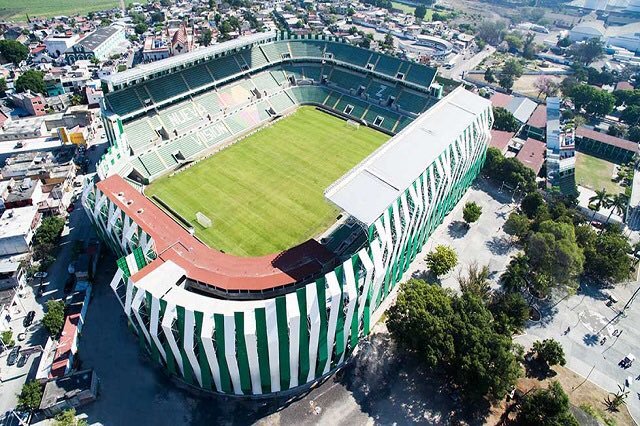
264,197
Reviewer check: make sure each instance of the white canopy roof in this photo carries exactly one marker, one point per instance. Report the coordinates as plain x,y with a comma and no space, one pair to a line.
367,190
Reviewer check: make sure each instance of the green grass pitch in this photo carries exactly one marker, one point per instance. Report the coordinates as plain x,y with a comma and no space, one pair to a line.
18,10
265,193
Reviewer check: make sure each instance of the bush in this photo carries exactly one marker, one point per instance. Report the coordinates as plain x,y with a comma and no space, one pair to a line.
549,352
442,260
53,320
30,396
7,338
471,212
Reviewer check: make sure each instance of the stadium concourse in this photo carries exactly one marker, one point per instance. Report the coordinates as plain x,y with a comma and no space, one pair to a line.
280,322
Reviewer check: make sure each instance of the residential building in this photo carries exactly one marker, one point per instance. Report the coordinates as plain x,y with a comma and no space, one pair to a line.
17,227
99,44
57,44
31,103
70,391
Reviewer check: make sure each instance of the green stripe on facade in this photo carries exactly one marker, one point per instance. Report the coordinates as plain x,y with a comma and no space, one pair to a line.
263,349
205,370
186,365
225,378
241,354
283,342
303,360
323,351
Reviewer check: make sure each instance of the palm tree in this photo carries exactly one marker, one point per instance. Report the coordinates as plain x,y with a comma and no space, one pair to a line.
617,203
514,279
599,200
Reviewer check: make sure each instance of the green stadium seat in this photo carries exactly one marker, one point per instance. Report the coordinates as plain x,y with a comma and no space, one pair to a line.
358,107
254,58
380,90
294,70
310,94
166,87
313,72
140,134
262,107
413,101
189,146
166,152
223,67
349,54
306,48
388,65
402,123
348,80
197,76
210,102
332,99
389,118
265,82
274,51
213,134
279,76
124,101
152,163
180,117
237,123
281,102
140,168
421,75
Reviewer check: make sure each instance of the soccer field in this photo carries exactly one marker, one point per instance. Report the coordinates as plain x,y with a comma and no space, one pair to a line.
265,193
18,10
595,173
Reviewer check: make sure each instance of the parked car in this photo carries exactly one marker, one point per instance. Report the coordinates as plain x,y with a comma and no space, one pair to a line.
13,355
40,275
23,359
28,320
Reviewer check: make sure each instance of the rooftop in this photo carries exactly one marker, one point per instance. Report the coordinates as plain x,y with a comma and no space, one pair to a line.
500,139
586,132
17,222
367,190
532,154
539,117
99,36
66,387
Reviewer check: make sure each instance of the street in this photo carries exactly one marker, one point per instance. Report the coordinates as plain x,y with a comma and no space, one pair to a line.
463,65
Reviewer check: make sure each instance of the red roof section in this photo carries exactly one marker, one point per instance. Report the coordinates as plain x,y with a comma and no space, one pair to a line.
624,85
500,139
539,117
65,345
500,99
585,132
532,154
206,265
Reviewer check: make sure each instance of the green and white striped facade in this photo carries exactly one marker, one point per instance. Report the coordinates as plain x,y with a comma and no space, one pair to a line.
282,341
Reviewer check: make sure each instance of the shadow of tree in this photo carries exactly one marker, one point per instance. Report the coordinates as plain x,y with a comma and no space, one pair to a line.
458,229
499,246
590,339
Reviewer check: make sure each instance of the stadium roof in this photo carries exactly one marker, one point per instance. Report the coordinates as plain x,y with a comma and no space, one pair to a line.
207,265
143,70
368,189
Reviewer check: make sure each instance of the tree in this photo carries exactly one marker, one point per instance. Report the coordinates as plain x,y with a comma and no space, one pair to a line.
504,120
30,396
564,42
634,134
205,37
471,212
514,279
546,407
421,319
599,200
586,52
594,101
49,230
32,80
7,338
509,170
517,225
631,115
529,48
531,203
491,32
555,259
607,256
568,84
3,86
510,311
442,260
68,418
506,81
14,51
140,28
476,281
514,41
617,204
546,86
388,41
511,70
454,335
488,75
420,12
53,320
549,352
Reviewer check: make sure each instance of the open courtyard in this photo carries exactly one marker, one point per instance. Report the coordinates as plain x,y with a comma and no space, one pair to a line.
595,173
265,193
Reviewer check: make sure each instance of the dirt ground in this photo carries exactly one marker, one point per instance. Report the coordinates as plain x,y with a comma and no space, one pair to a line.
524,84
581,393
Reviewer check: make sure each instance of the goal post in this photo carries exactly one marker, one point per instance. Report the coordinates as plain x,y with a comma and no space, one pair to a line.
353,123
203,220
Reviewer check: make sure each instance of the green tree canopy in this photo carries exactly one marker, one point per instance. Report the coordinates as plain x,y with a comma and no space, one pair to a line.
53,319
68,418
140,28
510,311
420,12
504,120
442,260
607,257
549,352
30,396
594,101
530,204
509,170
14,51
517,225
546,407
471,212
32,80
587,52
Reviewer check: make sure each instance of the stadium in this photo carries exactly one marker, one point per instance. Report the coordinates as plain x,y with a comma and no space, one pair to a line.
264,197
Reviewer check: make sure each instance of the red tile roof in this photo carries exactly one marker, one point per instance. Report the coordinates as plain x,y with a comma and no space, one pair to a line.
624,85
532,154
586,132
209,266
501,99
539,117
500,139
66,344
